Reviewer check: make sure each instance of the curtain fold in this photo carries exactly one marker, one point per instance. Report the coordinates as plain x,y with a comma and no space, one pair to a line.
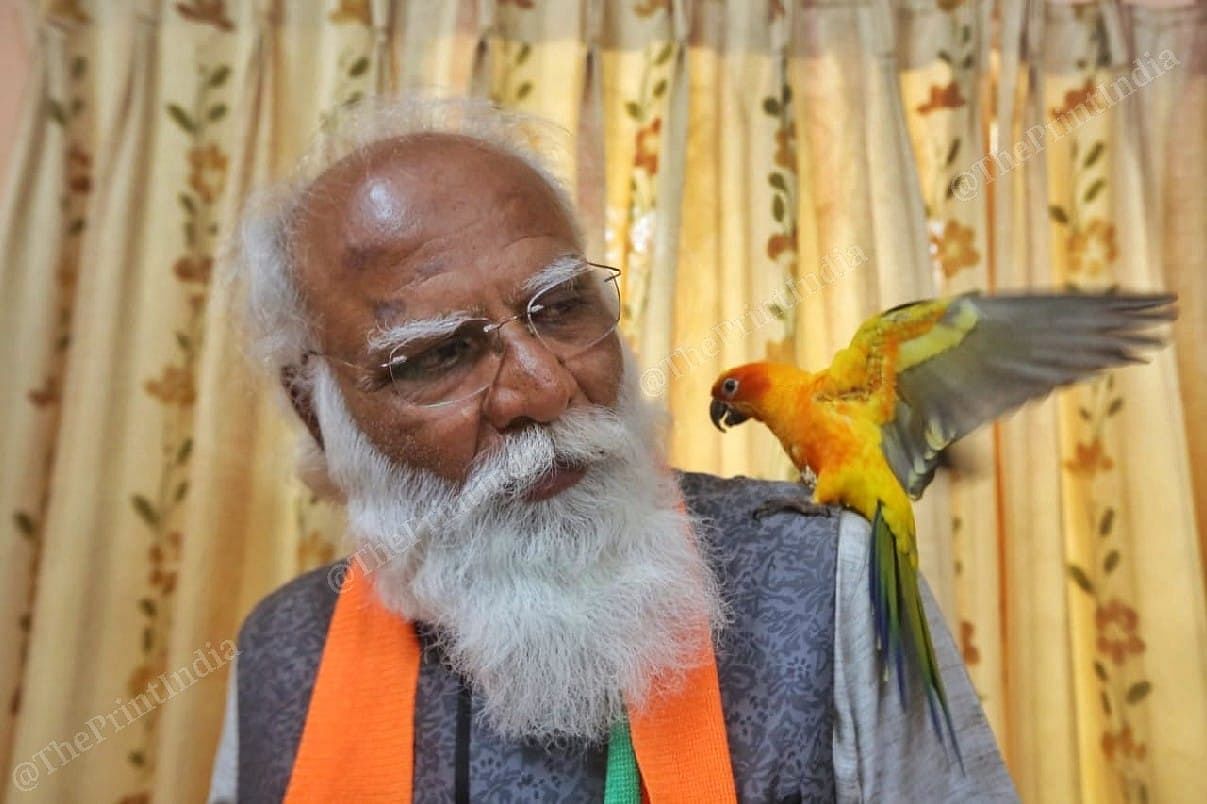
30,301
766,173
79,572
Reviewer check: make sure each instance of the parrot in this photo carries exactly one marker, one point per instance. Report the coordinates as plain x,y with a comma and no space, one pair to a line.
871,429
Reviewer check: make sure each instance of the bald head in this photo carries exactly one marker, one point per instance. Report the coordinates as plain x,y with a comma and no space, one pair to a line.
405,202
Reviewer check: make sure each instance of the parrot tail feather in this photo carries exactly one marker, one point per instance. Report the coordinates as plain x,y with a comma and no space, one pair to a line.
902,635
885,596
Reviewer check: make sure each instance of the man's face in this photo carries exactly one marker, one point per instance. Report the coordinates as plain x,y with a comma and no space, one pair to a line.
418,228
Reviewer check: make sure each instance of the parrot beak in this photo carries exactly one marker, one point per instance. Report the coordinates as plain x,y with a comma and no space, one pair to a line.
724,416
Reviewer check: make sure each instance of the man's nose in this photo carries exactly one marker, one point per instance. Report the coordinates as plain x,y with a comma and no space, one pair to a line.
532,384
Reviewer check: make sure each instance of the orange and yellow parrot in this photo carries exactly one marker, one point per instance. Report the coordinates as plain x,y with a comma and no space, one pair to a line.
873,426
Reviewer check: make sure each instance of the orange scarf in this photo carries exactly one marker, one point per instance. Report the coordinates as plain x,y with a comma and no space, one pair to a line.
358,741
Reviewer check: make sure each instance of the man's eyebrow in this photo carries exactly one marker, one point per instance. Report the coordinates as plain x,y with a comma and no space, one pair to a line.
387,340
559,270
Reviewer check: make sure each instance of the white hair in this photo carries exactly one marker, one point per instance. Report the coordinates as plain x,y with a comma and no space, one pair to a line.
259,259
560,612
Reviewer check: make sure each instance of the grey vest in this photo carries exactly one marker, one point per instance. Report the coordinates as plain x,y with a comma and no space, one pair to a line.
775,663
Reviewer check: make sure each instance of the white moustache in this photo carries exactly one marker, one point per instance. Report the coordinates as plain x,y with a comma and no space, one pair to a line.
579,438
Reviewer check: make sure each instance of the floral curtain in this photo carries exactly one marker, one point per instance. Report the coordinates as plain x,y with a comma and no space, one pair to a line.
767,173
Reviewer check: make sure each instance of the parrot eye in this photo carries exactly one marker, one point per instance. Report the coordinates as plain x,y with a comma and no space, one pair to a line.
730,386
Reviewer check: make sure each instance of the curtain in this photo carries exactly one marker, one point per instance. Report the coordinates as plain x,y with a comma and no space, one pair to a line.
767,173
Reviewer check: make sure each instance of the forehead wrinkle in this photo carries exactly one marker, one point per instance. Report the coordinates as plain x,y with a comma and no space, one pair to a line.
359,258
388,310
428,268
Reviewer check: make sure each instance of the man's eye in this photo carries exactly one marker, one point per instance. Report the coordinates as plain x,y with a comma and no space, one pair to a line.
560,308
435,361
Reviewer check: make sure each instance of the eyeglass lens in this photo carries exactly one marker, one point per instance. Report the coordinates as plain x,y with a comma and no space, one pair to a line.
568,318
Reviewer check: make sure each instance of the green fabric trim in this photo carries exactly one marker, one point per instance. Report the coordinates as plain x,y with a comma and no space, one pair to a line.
622,784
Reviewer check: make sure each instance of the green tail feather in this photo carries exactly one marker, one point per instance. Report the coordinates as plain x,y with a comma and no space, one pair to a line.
902,636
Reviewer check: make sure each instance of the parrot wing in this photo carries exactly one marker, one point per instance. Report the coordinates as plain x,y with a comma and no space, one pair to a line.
962,362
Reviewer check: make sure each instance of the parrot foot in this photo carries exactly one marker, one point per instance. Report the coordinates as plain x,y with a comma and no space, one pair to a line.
800,505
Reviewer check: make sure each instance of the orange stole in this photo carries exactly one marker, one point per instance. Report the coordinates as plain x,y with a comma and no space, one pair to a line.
358,742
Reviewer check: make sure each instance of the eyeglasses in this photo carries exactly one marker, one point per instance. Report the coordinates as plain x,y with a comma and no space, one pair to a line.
568,318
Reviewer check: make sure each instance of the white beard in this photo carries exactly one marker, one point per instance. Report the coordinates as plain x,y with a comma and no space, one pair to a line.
561,611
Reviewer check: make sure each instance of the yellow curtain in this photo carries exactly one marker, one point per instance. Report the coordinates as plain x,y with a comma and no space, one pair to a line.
767,172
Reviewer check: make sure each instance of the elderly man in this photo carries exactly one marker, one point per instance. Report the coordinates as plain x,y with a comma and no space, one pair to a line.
539,609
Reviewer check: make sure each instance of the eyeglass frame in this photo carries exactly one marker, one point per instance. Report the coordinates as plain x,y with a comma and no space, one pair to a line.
489,329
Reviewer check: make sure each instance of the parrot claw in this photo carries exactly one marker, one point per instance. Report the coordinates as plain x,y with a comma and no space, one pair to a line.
798,504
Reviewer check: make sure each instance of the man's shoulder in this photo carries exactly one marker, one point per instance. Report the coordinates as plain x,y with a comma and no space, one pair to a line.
753,515
712,496
301,606
697,484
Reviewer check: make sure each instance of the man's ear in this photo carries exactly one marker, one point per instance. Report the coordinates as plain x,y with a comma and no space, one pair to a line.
299,397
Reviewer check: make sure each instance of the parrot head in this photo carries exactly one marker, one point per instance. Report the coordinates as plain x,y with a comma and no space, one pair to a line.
737,395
